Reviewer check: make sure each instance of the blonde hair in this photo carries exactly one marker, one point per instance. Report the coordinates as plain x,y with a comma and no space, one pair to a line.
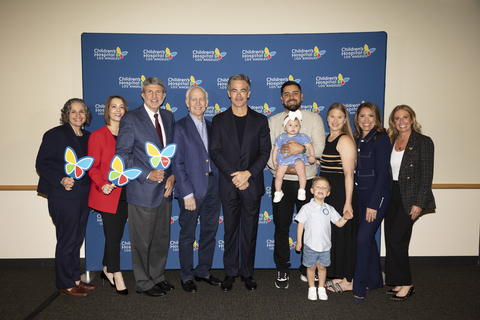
347,127
392,129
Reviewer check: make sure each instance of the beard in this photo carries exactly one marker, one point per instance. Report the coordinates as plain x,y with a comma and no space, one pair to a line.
292,107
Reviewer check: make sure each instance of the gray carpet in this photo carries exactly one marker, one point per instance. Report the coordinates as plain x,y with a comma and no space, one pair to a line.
442,292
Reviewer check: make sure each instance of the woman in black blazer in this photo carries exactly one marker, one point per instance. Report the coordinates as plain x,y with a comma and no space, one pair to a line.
412,172
67,198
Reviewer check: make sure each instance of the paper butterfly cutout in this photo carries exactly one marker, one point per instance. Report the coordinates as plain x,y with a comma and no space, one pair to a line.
160,159
118,175
76,169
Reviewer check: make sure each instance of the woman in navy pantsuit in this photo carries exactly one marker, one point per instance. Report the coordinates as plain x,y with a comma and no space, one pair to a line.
372,181
67,198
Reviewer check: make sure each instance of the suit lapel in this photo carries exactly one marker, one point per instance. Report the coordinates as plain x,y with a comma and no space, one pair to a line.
411,144
192,129
145,120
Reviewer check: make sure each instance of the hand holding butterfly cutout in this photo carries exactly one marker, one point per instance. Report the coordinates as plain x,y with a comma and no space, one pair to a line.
118,175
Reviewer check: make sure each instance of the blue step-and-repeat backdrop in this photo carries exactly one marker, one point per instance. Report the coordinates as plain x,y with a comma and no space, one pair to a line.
336,67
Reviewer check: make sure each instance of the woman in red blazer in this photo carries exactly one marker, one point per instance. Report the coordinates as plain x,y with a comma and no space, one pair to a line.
105,197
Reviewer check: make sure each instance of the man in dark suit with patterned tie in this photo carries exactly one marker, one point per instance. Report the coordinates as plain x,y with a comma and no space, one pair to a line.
148,209
240,148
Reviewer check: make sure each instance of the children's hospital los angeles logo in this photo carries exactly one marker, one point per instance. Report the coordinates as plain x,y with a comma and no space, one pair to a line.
208,55
131,82
357,52
158,55
257,55
331,81
183,83
277,82
109,54
307,54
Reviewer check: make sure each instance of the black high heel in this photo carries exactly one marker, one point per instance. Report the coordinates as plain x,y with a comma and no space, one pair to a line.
123,292
410,292
104,277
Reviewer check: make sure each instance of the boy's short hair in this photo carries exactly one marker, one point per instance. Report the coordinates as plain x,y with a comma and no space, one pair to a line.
318,179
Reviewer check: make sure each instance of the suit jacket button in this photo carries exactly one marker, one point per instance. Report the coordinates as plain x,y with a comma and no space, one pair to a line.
206,174
206,160
411,165
408,178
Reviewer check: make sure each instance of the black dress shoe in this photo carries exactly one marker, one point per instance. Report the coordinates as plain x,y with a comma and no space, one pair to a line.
211,280
153,292
189,286
227,284
164,285
250,283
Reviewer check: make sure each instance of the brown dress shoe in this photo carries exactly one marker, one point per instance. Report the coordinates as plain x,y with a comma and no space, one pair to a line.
86,286
75,292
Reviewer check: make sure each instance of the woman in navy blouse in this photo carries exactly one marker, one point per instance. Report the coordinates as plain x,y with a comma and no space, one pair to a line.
372,181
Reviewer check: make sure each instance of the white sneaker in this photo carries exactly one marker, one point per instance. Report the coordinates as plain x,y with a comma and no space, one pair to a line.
322,293
277,196
312,293
301,195
303,278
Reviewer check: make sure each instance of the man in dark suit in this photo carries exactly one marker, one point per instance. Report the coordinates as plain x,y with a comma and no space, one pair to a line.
148,209
240,147
196,190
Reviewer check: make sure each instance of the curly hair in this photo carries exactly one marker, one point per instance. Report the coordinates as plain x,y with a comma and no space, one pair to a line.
67,107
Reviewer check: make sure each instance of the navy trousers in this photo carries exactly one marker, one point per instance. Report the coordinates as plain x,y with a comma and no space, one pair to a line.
70,218
208,209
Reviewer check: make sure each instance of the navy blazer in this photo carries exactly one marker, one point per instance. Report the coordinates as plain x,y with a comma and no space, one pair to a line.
229,157
50,162
373,168
416,173
136,128
191,165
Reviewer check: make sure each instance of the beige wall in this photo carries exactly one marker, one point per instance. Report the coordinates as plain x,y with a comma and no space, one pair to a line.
432,65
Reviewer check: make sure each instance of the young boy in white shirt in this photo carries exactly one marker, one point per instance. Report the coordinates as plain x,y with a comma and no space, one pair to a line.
315,218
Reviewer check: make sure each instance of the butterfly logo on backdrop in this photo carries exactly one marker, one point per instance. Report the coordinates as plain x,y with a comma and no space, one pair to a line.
292,244
173,219
268,54
76,168
267,110
220,219
342,80
169,54
290,78
316,108
118,175
160,159
368,51
218,109
194,82
219,55
318,53
168,108
266,217
195,245
120,54
142,79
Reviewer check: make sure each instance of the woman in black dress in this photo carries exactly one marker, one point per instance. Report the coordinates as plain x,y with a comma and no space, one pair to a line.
337,165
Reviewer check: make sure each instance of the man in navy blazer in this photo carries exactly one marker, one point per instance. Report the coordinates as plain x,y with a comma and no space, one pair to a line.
196,190
240,148
148,209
